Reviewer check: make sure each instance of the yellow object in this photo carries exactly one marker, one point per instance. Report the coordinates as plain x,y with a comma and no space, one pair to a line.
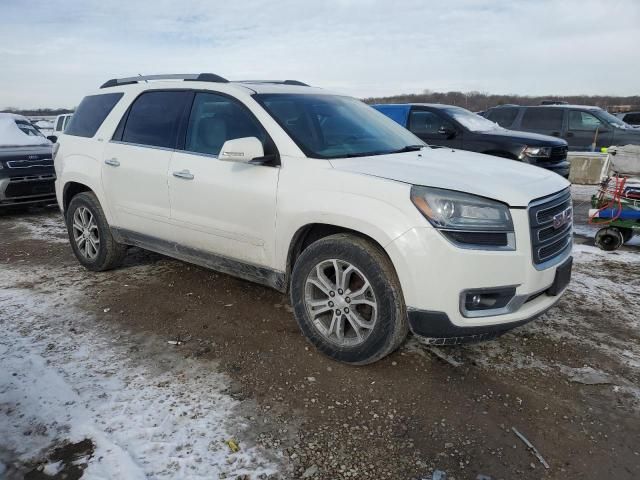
604,150
233,445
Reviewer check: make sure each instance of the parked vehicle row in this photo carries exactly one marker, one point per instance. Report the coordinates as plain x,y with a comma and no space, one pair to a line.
455,127
316,194
26,164
581,126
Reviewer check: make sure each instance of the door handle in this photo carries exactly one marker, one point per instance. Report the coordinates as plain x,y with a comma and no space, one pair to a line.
184,174
569,134
113,162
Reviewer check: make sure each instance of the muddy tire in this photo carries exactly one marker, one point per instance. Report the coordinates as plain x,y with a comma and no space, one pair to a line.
90,235
347,299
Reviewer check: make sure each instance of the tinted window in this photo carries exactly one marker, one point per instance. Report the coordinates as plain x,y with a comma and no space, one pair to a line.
59,123
632,118
427,123
215,119
542,119
503,116
583,121
154,119
91,113
331,126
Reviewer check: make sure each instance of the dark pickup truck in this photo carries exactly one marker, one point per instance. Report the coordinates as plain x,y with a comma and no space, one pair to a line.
26,165
454,127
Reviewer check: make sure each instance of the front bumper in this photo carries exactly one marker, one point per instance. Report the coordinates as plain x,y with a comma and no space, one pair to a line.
27,190
434,273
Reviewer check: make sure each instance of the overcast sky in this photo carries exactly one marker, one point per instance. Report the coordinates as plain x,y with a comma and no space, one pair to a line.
54,52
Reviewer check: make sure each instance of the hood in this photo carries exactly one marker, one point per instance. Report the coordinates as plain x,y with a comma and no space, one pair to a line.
627,135
528,138
508,181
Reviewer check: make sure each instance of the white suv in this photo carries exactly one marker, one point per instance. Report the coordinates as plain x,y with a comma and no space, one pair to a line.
370,231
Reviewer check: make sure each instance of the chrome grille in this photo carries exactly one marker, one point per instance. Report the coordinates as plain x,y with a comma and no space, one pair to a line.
551,223
42,162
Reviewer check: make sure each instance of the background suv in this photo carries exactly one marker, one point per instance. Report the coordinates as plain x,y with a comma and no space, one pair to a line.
317,194
26,163
455,127
577,124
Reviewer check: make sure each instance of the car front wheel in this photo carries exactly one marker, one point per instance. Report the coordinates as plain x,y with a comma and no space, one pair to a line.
347,299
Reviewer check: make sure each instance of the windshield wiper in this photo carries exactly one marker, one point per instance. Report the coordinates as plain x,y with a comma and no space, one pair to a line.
409,148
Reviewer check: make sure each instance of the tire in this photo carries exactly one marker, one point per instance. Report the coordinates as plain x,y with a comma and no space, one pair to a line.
373,323
609,239
90,235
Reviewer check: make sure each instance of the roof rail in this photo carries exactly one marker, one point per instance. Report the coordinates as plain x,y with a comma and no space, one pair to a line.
279,82
194,77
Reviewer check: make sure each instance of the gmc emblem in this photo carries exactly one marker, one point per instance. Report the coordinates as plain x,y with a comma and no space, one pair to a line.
32,157
562,218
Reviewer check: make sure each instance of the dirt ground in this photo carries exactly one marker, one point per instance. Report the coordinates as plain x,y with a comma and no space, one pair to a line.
569,382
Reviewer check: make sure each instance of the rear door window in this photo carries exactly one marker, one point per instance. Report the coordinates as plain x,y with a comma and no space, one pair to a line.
215,119
154,118
503,116
541,118
580,120
91,113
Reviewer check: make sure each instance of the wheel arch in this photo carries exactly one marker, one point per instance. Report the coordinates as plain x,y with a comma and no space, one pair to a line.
312,232
70,190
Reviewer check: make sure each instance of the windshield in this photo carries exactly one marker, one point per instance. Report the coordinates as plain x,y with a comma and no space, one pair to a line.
612,120
472,121
331,126
28,128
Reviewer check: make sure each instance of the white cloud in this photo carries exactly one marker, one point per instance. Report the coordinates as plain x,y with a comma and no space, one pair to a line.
51,54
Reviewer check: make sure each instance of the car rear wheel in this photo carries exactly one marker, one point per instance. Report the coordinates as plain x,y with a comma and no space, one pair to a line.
347,299
90,235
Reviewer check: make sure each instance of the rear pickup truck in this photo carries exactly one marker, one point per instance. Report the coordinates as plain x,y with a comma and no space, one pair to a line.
27,175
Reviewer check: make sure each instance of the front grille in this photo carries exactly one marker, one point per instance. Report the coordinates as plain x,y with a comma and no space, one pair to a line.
551,223
33,185
43,162
559,153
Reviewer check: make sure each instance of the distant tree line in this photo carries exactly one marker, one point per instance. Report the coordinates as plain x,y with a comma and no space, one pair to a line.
40,112
478,101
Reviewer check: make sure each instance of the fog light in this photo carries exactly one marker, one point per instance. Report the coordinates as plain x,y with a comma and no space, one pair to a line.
491,298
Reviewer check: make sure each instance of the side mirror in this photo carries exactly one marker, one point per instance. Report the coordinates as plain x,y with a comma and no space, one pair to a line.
241,150
447,132
52,138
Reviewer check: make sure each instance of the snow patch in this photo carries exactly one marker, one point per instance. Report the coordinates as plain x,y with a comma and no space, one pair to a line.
149,412
12,136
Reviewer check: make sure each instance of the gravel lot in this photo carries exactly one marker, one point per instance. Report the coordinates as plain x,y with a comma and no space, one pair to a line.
159,363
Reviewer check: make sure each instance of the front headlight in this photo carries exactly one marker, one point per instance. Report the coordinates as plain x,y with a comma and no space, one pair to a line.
536,152
466,220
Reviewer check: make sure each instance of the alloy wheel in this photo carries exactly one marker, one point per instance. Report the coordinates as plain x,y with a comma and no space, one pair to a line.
86,233
341,302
